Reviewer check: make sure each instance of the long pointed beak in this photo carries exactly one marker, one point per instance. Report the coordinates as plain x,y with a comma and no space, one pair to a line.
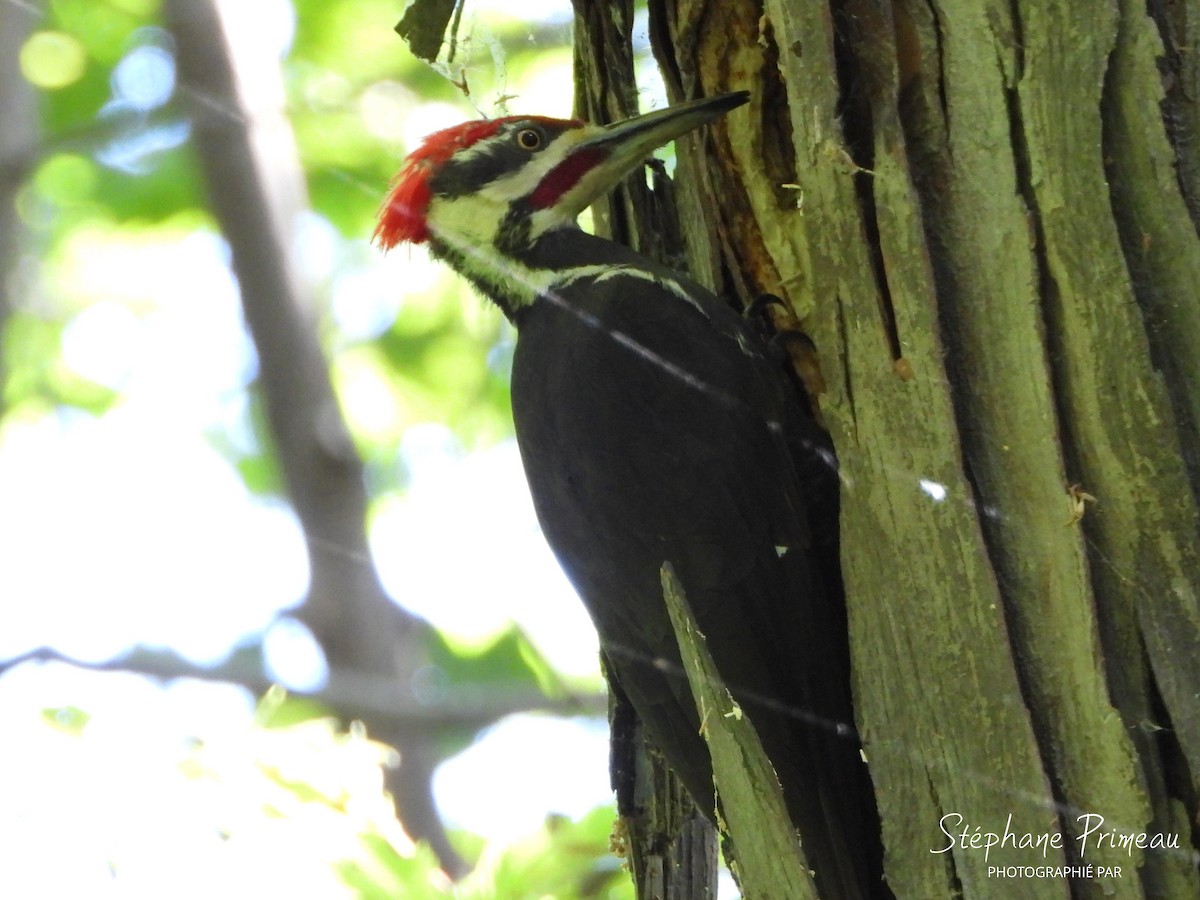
623,145
635,138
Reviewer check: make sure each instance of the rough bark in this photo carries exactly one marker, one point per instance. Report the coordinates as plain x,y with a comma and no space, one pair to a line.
770,861
980,216
672,848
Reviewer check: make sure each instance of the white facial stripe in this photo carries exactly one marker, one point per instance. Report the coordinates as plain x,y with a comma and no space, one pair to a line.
548,219
481,147
524,285
470,225
483,262
522,182
601,272
472,218
478,216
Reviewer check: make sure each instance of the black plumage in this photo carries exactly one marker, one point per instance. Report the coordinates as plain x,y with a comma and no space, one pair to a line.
656,428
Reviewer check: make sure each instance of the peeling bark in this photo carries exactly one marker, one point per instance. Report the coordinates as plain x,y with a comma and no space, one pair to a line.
672,847
982,218
988,281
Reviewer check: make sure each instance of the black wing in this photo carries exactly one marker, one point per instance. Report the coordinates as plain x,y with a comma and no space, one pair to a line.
654,428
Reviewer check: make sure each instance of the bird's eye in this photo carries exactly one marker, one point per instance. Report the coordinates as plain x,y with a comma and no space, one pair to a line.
529,139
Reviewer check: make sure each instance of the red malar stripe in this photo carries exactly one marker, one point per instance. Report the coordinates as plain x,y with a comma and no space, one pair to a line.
564,176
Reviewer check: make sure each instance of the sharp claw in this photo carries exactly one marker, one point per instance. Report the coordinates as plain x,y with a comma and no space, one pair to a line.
789,347
758,306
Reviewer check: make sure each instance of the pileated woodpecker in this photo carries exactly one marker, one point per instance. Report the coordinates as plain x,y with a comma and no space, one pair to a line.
654,427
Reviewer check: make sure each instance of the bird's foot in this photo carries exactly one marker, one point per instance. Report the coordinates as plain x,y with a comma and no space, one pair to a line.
757,309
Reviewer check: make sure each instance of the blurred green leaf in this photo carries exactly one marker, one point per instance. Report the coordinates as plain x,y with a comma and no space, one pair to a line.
52,59
66,179
508,665
279,709
256,464
168,183
70,719
104,28
383,872
568,860
111,175
301,790
508,661
260,474
442,368
35,371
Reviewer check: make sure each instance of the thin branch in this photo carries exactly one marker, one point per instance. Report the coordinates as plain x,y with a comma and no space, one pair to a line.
353,695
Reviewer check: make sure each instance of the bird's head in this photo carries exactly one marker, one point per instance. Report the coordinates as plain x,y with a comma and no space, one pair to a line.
495,186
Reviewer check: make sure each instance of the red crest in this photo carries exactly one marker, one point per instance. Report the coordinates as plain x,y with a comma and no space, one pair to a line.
403,216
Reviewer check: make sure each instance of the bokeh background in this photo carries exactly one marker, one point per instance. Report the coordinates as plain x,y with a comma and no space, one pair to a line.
150,561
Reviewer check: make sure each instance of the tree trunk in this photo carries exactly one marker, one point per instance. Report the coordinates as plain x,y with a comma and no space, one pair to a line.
256,190
983,219
18,144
